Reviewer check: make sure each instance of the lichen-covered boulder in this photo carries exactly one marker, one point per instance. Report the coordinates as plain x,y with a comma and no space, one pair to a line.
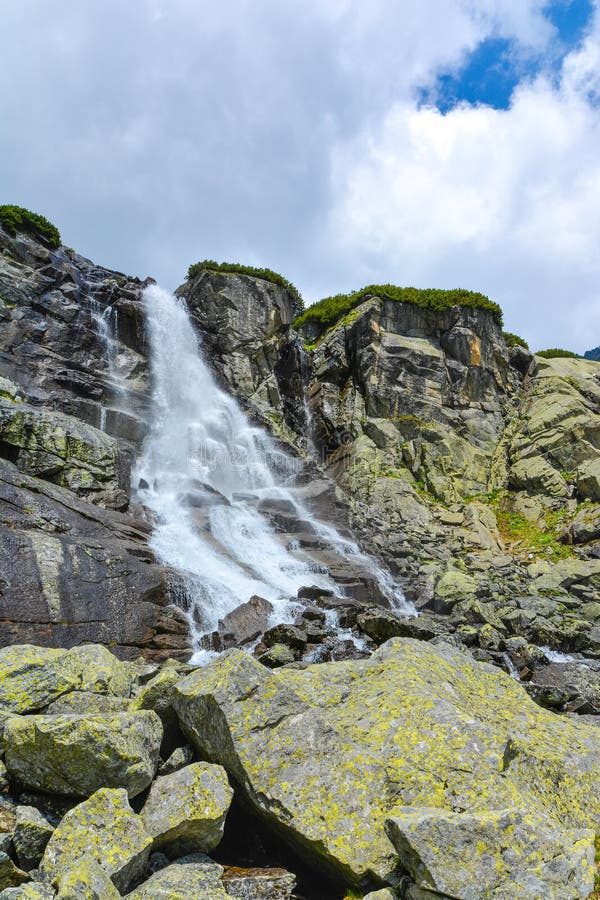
104,828
86,703
32,833
33,677
76,755
85,881
327,752
10,874
191,877
502,854
383,894
33,890
185,812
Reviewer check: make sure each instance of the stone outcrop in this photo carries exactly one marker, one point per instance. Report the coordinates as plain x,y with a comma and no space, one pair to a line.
244,326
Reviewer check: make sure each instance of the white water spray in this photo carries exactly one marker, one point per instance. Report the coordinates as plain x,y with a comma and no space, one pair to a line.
205,472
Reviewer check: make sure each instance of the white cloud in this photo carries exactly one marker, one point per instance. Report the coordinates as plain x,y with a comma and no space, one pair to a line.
505,201
286,134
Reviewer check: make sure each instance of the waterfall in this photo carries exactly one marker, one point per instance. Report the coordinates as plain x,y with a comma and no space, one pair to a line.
208,475
106,322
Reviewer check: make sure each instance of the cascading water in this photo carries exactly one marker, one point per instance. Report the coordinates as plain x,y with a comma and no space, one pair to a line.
206,472
106,321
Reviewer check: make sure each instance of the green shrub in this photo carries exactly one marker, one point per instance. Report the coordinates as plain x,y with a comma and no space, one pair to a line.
513,340
17,218
555,352
239,269
328,311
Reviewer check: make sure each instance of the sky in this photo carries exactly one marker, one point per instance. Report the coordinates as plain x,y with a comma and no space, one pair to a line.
445,143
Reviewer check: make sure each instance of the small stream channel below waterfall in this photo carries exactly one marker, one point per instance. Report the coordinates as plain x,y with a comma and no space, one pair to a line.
208,475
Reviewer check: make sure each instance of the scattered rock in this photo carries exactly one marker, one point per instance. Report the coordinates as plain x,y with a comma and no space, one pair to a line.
277,655
77,755
32,833
498,853
10,874
185,812
180,757
86,881
194,877
105,829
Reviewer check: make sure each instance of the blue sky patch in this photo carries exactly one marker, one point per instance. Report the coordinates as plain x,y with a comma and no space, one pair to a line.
491,73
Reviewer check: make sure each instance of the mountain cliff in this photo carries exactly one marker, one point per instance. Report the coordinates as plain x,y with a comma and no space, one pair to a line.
421,496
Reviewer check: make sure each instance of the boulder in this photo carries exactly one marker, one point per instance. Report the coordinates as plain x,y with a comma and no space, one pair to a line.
180,757
85,881
32,833
76,755
383,894
33,677
185,812
105,829
86,703
325,753
10,874
186,879
499,853
31,891
588,479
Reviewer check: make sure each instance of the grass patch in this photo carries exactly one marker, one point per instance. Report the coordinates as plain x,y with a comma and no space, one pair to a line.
557,353
513,340
330,310
524,537
17,218
211,265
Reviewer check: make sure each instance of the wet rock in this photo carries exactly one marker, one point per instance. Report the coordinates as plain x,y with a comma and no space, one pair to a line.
76,755
105,829
277,655
185,812
32,833
288,635
243,625
415,724
500,853
382,624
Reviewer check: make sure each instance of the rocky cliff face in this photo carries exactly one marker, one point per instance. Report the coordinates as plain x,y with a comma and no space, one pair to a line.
471,468
75,565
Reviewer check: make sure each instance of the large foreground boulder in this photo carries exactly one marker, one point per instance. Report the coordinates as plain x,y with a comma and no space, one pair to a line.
76,755
327,753
104,829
